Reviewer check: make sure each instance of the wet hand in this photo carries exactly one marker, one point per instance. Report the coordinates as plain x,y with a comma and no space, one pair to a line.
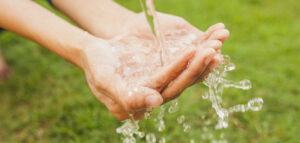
105,63
196,72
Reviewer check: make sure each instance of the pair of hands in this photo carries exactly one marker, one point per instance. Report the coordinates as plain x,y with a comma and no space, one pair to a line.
105,64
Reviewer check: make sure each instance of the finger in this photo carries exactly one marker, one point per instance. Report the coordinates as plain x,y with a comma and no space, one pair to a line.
221,34
121,116
169,72
125,99
136,116
140,98
215,63
139,115
204,36
113,106
215,44
211,30
124,115
198,65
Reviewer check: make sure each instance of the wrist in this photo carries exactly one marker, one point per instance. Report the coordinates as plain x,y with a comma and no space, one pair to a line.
110,22
90,51
76,48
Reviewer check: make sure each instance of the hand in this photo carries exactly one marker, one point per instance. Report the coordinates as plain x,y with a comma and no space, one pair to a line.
214,37
124,91
113,72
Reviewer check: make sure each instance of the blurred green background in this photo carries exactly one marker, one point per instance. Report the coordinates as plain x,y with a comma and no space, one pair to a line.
47,99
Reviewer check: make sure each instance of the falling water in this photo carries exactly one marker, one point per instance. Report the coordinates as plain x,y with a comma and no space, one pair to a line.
215,82
151,16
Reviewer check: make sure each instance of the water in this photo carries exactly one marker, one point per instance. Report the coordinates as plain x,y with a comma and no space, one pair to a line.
160,118
129,129
174,107
180,119
151,16
150,138
216,82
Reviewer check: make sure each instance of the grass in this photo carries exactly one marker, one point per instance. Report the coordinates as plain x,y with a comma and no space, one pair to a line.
47,99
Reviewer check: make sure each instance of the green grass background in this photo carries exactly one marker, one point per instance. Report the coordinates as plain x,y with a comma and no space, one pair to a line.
47,99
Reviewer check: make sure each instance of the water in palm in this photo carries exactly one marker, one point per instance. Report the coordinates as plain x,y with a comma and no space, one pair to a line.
216,83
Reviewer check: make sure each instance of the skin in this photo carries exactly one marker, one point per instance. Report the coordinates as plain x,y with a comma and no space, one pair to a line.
91,49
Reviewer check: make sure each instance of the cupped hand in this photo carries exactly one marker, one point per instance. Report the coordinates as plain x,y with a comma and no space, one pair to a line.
176,29
127,77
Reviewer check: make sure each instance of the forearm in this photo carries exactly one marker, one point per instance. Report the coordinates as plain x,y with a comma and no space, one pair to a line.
102,18
32,21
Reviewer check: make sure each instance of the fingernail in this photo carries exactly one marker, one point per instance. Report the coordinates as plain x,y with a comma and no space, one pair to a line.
220,24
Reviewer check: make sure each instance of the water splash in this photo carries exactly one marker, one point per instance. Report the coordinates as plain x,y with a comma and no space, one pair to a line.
180,119
174,107
215,82
128,130
150,138
186,127
160,119
151,16
148,113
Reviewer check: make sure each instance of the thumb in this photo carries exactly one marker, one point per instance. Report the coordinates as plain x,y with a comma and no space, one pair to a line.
153,99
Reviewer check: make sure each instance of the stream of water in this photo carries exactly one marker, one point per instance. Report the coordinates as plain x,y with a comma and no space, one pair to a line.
153,21
216,83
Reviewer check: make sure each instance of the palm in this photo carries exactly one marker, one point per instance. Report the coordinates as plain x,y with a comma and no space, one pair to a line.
178,35
127,70
122,81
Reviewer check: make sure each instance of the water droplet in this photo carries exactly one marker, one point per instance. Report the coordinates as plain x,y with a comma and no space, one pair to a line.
205,95
186,127
150,138
238,108
162,140
148,113
180,119
161,125
221,124
174,107
255,104
129,140
246,84
230,67
141,134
